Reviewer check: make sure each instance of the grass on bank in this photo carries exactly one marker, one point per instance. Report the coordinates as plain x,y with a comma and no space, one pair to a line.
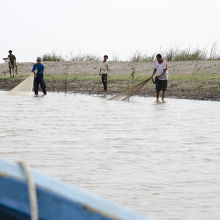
185,54
200,77
77,57
139,57
172,54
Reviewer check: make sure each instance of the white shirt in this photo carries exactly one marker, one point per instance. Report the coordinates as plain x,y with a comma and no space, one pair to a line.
160,67
104,67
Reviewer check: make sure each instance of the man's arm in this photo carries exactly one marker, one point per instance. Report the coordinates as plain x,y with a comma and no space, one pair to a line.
34,70
154,72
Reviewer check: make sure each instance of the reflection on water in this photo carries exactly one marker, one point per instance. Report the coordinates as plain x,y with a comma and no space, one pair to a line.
160,160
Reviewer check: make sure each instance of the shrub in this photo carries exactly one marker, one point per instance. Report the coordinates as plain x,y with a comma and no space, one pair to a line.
139,57
52,57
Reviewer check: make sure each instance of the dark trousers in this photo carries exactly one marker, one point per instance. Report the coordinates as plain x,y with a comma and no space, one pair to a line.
161,85
104,81
11,68
39,80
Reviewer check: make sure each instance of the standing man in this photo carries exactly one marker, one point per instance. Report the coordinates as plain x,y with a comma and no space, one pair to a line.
103,72
38,70
162,76
12,63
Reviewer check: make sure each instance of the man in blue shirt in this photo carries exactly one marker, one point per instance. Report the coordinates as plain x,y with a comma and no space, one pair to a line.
38,70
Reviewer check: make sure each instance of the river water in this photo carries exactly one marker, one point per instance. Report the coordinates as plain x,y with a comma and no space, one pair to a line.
159,160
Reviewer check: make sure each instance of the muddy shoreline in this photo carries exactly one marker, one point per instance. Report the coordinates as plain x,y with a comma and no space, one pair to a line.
198,80
185,90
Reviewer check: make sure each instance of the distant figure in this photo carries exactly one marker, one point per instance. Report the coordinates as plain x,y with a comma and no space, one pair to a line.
38,70
12,63
104,71
162,76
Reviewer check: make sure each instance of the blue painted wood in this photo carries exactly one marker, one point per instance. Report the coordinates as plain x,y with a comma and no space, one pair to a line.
56,200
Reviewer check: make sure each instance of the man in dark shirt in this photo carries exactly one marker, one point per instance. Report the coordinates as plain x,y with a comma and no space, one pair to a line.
38,70
12,62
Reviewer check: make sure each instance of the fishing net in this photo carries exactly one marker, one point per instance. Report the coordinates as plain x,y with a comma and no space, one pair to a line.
24,88
126,95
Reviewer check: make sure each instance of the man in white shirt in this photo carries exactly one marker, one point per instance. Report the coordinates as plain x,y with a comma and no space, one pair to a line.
104,71
162,76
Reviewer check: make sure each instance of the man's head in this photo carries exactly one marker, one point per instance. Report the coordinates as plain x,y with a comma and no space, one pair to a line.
105,57
159,58
10,51
38,60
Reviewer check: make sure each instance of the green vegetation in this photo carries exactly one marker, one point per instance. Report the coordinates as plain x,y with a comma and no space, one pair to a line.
86,57
139,57
52,57
214,53
172,54
178,55
133,71
185,54
89,77
7,76
77,57
200,77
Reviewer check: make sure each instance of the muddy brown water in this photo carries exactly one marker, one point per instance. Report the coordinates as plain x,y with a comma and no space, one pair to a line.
159,160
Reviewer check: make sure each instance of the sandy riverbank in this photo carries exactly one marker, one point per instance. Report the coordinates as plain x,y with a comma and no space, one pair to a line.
187,79
117,68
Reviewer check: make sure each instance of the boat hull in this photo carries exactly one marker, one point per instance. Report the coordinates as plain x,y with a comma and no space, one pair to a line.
56,200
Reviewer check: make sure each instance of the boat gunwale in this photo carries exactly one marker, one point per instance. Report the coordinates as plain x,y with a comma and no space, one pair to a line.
86,199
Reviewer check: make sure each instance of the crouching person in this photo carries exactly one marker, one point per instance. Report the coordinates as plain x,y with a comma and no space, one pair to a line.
38,70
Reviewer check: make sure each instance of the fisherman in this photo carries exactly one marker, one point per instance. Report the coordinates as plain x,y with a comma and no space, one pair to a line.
104,71
38,70
162,76
12,63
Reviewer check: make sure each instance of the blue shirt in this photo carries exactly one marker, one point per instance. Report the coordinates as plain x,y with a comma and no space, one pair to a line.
39,68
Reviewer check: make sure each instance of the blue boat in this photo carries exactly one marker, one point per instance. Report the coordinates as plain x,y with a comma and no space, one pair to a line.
55,200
